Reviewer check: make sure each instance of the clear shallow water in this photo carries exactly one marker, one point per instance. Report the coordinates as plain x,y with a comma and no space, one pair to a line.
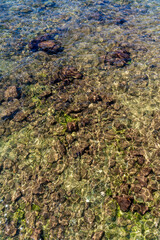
61,184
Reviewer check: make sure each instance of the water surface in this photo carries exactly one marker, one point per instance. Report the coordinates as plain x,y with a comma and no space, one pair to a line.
80,135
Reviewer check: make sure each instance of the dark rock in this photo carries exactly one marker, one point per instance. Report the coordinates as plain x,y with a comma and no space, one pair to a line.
50,46
72,126
121,21
98,235
124,202
109,100
45,43
33,45
11,93
118,58
66,75
45,94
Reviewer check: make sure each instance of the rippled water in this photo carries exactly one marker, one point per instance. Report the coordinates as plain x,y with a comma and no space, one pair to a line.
80,130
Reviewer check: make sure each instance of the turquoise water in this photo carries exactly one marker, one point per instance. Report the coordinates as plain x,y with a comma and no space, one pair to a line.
79,147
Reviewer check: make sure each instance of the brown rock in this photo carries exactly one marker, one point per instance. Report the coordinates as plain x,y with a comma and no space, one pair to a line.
145,171
98,235
140,208
142,180
11,230
124,188
72,126
11,93
79,151
94,98
136,188
152,185
124,202
118,58
36,234
45,43
50,46
69,73
53,222
20,116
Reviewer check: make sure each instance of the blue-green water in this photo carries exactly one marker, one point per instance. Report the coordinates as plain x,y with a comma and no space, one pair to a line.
79,148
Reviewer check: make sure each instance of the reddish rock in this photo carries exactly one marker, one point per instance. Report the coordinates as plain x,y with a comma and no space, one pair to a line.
124,202
45,43
118,58
50,46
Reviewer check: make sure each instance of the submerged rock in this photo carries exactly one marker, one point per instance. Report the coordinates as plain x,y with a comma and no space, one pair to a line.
9,113
140,208
72,126
11,230
66,75
69,72
20,116
124,202
50,46
11,93
117,58
121,21
45,43
94,98
98,235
